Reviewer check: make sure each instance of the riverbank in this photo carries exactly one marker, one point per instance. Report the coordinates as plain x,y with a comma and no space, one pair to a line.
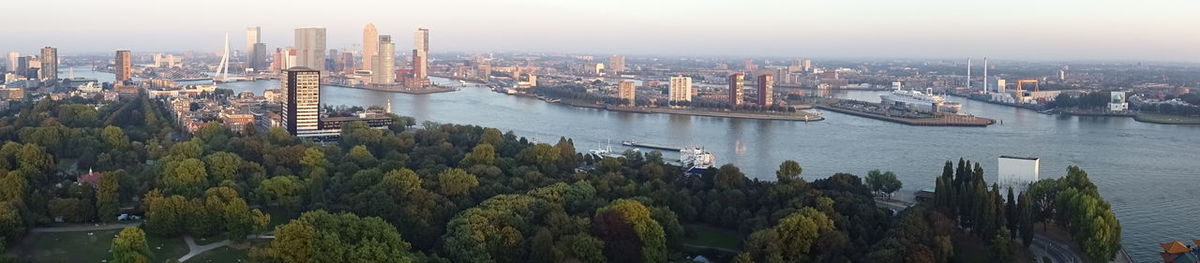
790,116
949,120
1166,119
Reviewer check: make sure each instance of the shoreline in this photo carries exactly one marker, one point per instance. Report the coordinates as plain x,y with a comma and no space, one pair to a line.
945,121
800,116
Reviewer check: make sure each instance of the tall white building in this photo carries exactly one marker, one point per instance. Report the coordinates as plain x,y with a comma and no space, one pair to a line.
385,62
12,60
681,88
253,36
370,45
302,99
310,47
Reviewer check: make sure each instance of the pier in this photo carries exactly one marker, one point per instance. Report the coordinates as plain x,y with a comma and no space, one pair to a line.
651,146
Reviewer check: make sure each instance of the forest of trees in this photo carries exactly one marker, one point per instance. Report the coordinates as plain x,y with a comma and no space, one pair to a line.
460,193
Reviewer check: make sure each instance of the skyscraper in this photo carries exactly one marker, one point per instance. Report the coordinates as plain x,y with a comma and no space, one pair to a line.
258,57
749,65
807,65
310,47
302,98
617,63
766,86
49,64
681,89
123,65
421,54
253,36
370,45
12,60
627,91
385,62
736,82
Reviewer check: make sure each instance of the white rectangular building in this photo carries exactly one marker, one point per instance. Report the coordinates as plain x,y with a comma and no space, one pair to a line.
681,88
1018,172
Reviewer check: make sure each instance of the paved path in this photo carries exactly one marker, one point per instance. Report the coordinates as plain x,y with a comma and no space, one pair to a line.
1059,252
197,249
78,228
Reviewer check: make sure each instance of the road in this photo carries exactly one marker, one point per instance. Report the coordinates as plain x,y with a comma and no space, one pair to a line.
1059,252
77,228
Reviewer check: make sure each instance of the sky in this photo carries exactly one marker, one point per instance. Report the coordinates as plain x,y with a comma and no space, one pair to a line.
1145,30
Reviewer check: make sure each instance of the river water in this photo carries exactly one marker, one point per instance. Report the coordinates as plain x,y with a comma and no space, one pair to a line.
1149,172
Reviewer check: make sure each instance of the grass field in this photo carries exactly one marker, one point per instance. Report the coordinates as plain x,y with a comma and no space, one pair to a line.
1166,119
707,236
82,247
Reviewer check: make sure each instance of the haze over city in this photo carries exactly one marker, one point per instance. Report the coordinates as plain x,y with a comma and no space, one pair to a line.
1025,29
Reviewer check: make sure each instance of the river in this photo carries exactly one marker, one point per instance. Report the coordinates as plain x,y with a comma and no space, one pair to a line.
1149,172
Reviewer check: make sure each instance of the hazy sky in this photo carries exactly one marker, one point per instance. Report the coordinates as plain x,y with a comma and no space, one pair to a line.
1012,29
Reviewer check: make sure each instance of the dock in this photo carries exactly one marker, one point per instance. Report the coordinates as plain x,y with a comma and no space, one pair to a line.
945,120
651,146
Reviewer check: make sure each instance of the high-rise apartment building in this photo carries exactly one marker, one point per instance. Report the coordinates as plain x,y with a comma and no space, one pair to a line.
766,89
302,99
681,89
253,36
310,47
627,91
258,57
737,81
385,62
123,65
370,45
49,64
421,54
749,65
616,64
12,60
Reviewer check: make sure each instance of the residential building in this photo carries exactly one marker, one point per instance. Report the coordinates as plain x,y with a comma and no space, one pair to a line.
766,89
627,91
385,62
681,89
49,71
616,64
737,82
302,92
123,66
370,46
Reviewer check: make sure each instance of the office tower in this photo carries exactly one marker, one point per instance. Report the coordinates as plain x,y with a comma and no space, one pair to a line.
421,54
331,61
49,64
12,60
766,89
310,47
736,82
258,57
348,65
985,79
253,36
681,88
617,64
277,60
749,64
123,65
627,91
23,67
370,45
808,65
291,58
968,73
385,62
302,98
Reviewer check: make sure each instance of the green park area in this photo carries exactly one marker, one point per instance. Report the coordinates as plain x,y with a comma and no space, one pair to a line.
703,236
79,245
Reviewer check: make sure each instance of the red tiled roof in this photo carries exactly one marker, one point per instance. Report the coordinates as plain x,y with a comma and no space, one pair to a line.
1175,247
92,179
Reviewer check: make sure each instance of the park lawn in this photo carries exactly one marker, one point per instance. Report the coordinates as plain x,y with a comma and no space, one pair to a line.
707,236
221,254
81,247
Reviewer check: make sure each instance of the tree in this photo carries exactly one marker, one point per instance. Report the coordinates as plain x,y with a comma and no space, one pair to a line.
788,171
884,182
729,177
455,182
223,166
187,178
130,247
319,236
282,191
108,195
483,153
614,224
1002,250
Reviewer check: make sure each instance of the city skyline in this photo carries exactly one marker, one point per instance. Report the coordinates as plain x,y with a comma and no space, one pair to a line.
1070,30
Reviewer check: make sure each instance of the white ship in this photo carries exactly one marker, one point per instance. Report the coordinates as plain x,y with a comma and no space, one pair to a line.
918,101
696,159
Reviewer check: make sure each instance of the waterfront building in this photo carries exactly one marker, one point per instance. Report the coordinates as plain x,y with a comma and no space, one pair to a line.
1117,101
258,57
167,61
681,89
253,36
49,60
385,62
370,45
302,99
421,55
1018,172
766,89
123,66
310,47
737,81
616,64
808,65
627,91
